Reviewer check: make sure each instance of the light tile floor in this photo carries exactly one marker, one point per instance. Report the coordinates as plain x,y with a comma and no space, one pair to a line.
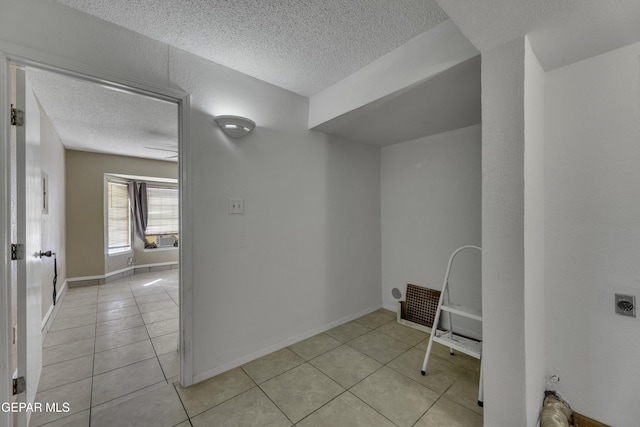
111,353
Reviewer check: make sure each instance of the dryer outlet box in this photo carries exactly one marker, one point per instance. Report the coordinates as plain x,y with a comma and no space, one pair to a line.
626,305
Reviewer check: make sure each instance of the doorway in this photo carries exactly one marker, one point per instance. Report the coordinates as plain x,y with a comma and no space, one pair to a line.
30,60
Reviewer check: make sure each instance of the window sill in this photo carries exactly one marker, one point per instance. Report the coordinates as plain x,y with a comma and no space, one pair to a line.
120,253
170,248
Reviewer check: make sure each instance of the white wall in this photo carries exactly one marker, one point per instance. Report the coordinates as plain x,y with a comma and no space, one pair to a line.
503,74
53,222
593,232
306,253
431,200
534,233
513,234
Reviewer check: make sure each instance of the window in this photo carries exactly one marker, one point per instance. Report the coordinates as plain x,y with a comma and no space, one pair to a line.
163,209
118,217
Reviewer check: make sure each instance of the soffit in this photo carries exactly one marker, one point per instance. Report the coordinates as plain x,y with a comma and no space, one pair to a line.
446,101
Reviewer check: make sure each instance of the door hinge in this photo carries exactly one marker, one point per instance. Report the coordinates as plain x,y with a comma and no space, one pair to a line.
17,116
19,385
17,251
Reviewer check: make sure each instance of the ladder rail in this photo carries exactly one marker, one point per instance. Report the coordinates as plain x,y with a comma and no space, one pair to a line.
445,285
434,328
447,301
444,295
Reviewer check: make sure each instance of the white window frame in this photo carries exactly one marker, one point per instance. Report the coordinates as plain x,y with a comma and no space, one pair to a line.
125,249
152,185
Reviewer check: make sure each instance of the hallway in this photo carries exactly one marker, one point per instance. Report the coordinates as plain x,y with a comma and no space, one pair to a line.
111,354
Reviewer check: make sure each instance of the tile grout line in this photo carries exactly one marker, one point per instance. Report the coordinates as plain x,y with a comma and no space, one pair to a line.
384,416
383,365
150,339
149,335
61,385
175,389
323,405
226,400
270,399
344,389
118,332
255,385
93,363
386,365
259,386
92,355
441,396
135,392
165,292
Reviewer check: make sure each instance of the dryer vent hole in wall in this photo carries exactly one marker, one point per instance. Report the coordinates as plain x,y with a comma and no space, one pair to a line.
625,305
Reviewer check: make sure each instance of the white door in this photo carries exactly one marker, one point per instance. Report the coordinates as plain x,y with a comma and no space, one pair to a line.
29,212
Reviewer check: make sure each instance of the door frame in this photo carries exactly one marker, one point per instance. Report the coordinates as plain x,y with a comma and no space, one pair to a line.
14,54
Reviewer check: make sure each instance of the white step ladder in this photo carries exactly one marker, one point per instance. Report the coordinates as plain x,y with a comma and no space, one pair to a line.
455,342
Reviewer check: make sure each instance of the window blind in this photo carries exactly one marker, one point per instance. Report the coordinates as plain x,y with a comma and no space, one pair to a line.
119,223
163,210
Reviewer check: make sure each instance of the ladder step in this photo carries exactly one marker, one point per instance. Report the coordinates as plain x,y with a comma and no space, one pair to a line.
462,310
465,345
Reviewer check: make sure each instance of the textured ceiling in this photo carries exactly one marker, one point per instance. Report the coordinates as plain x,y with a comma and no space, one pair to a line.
307,45
89,117
561,31
300,45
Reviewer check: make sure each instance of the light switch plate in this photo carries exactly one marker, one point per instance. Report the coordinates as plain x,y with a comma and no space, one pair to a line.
236,206
626,305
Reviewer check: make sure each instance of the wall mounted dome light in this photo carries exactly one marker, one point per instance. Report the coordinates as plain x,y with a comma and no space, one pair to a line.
235,126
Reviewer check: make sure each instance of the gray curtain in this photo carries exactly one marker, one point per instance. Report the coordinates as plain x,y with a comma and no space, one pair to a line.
139,213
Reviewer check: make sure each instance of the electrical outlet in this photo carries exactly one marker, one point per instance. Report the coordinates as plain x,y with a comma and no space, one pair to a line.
626,305
236,206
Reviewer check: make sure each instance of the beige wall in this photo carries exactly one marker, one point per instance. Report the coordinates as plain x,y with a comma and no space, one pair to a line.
53,221
85,210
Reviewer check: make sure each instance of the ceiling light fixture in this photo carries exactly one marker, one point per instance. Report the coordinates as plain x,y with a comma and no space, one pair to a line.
235,126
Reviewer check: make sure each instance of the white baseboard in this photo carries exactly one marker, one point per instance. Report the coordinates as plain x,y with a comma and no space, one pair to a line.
124,270
279,346
79,279
53,309
391,307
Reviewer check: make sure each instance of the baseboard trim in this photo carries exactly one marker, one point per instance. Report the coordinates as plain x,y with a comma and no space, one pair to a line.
391,307
279,346
79,279
47,320
133,268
